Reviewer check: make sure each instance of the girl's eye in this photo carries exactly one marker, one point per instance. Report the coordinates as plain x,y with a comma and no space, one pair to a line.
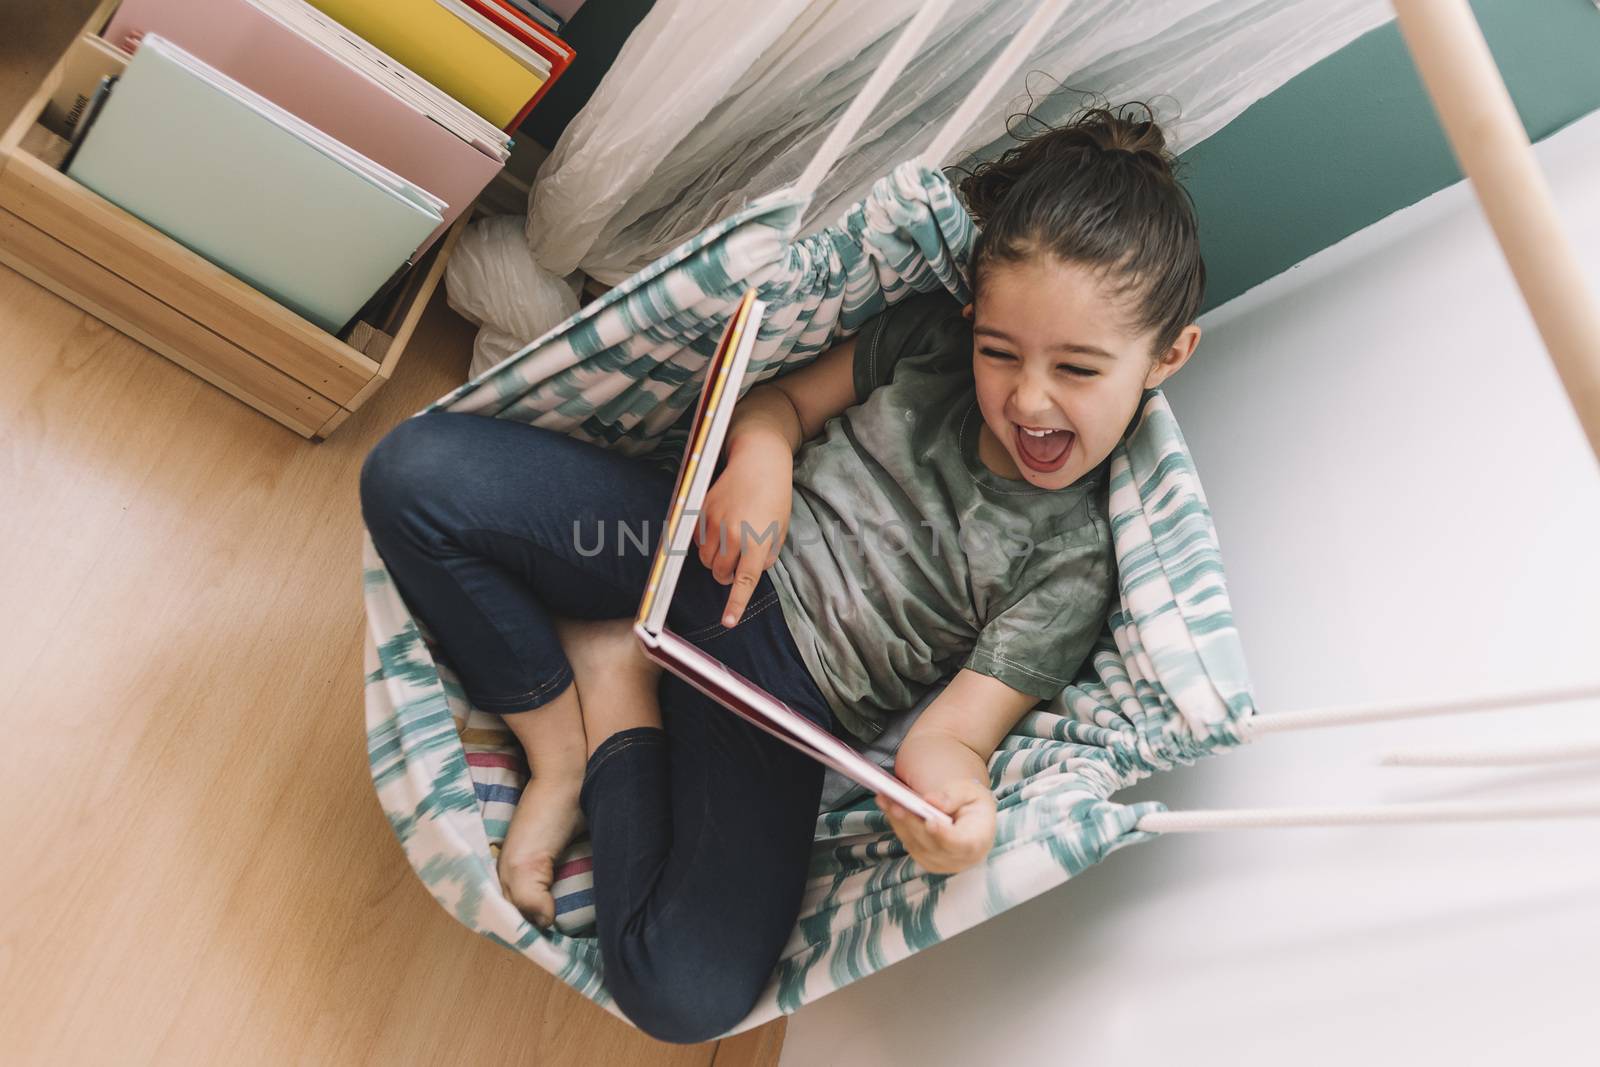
1009,357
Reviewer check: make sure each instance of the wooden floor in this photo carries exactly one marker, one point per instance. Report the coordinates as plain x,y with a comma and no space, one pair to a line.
193,867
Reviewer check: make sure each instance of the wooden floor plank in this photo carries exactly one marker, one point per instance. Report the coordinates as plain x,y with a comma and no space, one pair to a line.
198,871
63,368
195,867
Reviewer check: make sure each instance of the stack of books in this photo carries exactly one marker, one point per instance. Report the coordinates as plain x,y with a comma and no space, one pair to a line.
489,54
297,152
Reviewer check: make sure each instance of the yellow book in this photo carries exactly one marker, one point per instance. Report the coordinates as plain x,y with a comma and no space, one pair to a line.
428,39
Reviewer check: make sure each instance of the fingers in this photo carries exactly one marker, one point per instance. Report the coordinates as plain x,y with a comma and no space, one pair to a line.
717,553
913,830
733,561
744,584
942,849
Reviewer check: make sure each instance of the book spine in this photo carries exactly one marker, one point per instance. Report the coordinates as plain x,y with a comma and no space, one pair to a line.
91,111
534,11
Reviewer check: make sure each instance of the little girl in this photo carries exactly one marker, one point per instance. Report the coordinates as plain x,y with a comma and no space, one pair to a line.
924,505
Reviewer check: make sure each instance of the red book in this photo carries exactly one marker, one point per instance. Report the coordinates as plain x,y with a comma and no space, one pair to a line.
535,36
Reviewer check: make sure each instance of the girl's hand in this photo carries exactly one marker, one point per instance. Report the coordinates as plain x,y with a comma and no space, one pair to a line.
745,517
947,849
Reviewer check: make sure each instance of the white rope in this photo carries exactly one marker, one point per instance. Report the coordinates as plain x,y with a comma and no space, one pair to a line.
1022,44
871,94
1312,719
1179,822
1566,752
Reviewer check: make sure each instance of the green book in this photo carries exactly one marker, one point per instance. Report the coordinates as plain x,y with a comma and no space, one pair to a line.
255,190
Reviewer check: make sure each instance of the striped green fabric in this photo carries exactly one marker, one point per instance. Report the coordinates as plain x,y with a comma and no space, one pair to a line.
1166,684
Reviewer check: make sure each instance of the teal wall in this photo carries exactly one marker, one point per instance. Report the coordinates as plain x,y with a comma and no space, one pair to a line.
1355,138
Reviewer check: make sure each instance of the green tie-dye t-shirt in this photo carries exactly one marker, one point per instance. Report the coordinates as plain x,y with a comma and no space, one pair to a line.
907,559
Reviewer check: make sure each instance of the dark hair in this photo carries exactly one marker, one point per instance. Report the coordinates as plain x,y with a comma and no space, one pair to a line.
1100,191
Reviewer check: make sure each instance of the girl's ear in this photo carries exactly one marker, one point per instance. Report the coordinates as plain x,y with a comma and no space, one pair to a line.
966,312
1174,358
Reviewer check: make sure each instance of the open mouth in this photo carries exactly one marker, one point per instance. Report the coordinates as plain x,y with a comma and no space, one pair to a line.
1043,450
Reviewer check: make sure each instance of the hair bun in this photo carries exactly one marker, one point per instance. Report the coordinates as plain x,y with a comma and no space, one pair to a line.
1100,192
1092,131
1141,138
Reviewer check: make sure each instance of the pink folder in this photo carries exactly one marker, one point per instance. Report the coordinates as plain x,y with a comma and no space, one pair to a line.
271,58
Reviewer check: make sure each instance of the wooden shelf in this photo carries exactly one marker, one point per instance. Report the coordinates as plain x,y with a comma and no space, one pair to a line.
137,279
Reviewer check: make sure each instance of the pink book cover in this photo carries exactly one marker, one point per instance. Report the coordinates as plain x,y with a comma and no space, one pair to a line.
720,391
250,46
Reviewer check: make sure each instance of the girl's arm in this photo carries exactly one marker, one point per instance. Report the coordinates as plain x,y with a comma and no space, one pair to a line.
945,757
745,516
793,407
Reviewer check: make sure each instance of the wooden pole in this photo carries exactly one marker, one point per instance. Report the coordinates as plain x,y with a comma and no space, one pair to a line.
1493,150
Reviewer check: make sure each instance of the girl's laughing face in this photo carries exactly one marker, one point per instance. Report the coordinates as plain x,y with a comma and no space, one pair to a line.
1059,376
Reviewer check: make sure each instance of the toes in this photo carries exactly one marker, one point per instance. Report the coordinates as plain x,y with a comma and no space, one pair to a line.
526,883
539,909
538,905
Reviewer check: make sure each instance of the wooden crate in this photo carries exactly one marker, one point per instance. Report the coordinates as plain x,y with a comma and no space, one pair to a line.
128,274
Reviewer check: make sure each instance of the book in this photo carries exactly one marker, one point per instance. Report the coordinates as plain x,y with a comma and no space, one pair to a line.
85,66
561,9
724,377
498,35
306,63
553,49
249,186
538,14
84,121
474,61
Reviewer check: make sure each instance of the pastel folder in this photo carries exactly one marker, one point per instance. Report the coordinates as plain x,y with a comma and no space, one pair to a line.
494,78
304,62
250,187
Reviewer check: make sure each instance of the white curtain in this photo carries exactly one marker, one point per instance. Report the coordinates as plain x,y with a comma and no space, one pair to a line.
713,102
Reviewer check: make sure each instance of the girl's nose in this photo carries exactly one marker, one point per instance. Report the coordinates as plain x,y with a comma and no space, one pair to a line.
1030,400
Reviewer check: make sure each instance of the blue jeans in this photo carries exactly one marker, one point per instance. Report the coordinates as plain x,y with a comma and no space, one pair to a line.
701,829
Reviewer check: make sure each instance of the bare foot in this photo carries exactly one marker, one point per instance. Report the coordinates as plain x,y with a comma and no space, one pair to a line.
543,824
614,689
547,813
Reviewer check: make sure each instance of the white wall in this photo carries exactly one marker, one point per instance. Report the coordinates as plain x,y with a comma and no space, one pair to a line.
1407,510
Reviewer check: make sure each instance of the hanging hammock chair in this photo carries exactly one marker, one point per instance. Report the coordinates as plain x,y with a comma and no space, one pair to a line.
1168,685
1165,685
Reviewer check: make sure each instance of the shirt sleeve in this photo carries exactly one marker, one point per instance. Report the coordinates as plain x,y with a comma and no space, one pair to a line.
1038,643
921,325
